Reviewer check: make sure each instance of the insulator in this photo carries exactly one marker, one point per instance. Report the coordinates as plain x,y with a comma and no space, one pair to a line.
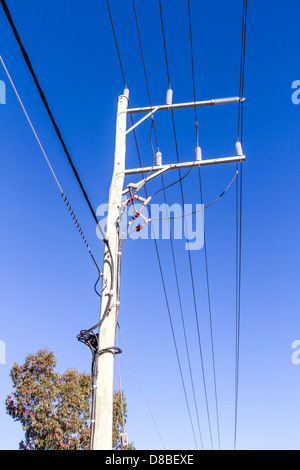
132,186
158,159
198,153
238,148
169,98
140,198
147,201
126,93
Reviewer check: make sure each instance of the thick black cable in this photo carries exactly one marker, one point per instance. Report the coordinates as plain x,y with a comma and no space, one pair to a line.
84,333
44,100
85,242
53,174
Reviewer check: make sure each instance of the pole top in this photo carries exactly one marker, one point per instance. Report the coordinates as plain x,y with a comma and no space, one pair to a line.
126,93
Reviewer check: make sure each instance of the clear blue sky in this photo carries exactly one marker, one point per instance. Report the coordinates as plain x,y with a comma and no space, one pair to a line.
46,275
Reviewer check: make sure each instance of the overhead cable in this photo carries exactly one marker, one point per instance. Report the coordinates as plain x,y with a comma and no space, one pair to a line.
205,244
44,100
239,203
52,171
155,241
189,258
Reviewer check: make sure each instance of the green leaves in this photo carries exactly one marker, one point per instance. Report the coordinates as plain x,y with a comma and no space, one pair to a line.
54,409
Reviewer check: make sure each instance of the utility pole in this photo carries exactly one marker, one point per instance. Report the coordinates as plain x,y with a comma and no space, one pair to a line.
102,439
103,395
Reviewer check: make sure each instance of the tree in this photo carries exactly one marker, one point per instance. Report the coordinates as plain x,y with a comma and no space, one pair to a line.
55,409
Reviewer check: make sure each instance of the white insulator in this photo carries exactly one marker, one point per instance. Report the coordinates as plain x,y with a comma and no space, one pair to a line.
158,159
140,199
132,186
198,153
169,98
126,93
147,201
238,148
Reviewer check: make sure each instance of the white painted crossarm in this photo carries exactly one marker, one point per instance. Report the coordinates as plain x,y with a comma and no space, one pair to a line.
195,104
174,166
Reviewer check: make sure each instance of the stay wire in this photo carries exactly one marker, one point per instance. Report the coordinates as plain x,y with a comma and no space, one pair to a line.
191,273
205,244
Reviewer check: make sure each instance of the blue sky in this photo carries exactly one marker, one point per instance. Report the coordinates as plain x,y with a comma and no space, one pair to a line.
46,275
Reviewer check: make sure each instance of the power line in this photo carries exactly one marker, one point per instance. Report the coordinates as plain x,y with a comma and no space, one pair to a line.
189,255
141,386
204,207
183,322
205,245
83,333
239,204
85,336
173,333
116,42
30,67
145,190
52,171
144,66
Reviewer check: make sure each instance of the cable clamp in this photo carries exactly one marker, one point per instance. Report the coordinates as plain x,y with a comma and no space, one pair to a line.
113,350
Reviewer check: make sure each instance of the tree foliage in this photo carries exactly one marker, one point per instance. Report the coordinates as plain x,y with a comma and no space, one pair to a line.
55,409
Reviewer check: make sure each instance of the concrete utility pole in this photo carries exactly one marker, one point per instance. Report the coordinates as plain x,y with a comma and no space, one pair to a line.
104,383
103,396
